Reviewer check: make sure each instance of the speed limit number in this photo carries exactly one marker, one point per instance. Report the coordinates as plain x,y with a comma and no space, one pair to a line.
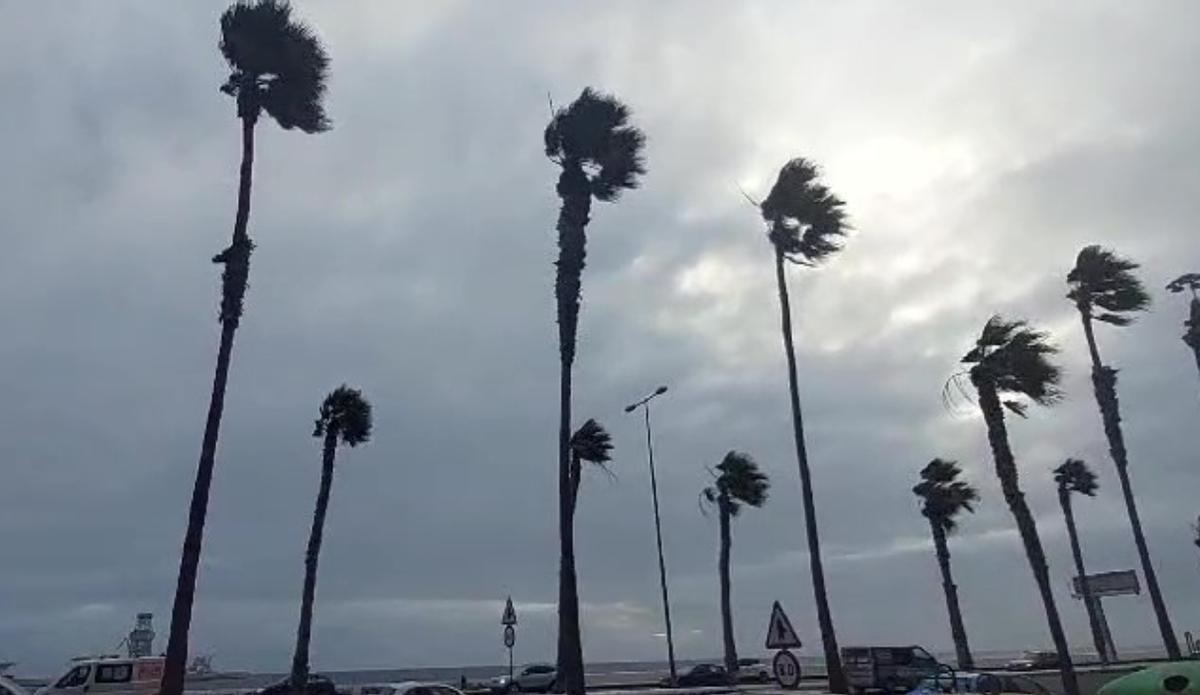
787,670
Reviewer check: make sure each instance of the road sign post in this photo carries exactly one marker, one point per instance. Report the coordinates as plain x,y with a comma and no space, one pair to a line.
782,636
509,621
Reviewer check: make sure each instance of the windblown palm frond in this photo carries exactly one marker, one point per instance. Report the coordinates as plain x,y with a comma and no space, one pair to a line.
592,443
1015,358
806,220
1075,476
943,495
594,132
741,482
277,64
1187,281
1102,279
346,414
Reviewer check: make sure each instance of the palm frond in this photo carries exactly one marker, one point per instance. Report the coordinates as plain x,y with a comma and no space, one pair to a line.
1015,358
1105,280
741,481
943,496
278,64
593,132
806,221
1075,476
592,443
346,414
1187,281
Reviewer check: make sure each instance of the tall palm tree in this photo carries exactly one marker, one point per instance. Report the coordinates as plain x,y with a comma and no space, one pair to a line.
739,482
805,221
1074,476
278,66
1104,288
1012,359
600,154
1191,327
943,498
345,417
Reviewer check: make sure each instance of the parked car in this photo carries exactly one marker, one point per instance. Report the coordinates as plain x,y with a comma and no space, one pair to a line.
317,685
8,686
1034,660
701,675
533,678
752,670
890,669
403,688
984,683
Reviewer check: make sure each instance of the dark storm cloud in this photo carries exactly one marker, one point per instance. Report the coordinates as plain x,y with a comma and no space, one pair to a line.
409,252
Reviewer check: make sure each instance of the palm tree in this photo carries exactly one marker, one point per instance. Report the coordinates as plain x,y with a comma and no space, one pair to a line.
277,66
943,498
804,223
1191,327
1103,280
739,482
600,155
1012,359
345,416
1074,476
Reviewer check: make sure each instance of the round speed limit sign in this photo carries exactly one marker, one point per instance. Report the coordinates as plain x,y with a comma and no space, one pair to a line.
787,670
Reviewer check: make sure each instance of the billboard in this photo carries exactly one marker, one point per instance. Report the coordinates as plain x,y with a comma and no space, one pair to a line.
1108,584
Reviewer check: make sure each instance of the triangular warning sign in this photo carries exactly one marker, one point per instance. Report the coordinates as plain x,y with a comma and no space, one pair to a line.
780,634
510,614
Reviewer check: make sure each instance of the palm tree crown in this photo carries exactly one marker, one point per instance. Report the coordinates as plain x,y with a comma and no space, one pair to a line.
345,415
276,64
1014,358
1075,476
805,218
594,134
1102,279
739,482
592,443
942,495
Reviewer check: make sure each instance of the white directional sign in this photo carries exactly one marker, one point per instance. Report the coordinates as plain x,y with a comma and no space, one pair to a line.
510,614
787,670
780,633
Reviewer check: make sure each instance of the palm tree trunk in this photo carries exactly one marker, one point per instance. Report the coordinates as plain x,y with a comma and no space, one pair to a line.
1006,471
962,650
572,219
731,658
1192,337
1064,499
833,661
304,632
233,289
1104,382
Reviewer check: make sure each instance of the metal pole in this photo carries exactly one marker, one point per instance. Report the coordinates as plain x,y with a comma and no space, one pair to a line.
510,665
662,567
1109,646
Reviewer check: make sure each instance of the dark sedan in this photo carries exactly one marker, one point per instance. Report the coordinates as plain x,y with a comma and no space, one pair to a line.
702,675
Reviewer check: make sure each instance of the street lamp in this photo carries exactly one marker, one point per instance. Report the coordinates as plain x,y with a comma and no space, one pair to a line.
644,404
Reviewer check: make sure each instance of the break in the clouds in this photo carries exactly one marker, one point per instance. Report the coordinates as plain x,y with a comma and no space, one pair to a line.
408,252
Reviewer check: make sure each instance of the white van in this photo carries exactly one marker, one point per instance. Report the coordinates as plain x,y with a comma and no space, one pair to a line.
108,674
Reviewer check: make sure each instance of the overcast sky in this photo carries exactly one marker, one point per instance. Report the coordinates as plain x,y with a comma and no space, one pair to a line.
409,252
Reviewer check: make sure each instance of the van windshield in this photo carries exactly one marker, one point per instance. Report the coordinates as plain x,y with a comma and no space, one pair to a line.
75,677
